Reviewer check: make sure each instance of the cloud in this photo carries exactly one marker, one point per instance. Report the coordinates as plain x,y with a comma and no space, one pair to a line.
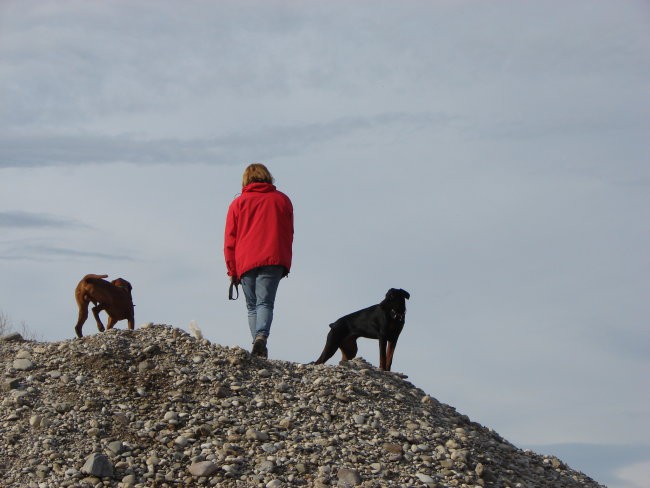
265,143
35,252
30,220
71,150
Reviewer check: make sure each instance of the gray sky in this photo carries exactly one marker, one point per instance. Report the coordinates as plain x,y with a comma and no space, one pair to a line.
489,157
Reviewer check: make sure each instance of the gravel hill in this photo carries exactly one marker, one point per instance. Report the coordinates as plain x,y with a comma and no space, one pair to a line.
158,407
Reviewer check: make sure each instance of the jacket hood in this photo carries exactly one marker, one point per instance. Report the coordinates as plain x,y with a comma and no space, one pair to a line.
259,187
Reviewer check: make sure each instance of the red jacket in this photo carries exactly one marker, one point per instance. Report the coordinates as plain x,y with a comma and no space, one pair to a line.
259,230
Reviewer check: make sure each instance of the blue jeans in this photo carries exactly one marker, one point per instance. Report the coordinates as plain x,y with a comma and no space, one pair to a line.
260,285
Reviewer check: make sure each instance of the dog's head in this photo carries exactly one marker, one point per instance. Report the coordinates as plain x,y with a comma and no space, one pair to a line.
123,284
395,303
395,294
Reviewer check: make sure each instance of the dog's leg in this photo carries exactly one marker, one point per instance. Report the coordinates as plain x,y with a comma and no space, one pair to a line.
96,310
389,354
349,348
111,322
83,315
334,339
382,354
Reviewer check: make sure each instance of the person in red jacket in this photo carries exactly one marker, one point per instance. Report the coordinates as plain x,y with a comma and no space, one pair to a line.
258,248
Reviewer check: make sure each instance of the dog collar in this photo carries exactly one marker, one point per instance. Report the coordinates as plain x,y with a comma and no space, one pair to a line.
397,316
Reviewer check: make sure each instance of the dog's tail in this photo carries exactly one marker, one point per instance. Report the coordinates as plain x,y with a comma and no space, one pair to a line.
95,277
80,290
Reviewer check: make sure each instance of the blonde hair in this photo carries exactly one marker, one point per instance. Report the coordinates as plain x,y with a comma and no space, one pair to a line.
256,173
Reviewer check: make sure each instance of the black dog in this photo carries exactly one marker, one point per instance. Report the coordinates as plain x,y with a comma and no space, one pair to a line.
383,321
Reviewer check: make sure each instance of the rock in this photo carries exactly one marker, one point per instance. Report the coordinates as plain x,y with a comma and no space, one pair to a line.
145,365
459,455
266,466
203,468
446,463
222,392
181,441
359,419
392,448
23,364
63,407
425,478
12,337
285,424
10,384
35,421
348,477
269,448
171,416
129,480
42,471
98,465
231,469
153,460
283,387
229,420
115,447
256,435
452,444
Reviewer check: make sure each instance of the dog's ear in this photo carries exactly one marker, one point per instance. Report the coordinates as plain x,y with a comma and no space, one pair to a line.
122,283
397,293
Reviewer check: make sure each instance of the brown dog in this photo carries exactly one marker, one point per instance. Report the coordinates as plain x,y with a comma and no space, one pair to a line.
114,297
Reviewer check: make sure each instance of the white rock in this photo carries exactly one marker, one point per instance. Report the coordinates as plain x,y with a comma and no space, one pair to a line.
425,478
23,364
203,468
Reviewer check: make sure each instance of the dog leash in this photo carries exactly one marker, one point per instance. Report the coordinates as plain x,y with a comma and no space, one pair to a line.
235,286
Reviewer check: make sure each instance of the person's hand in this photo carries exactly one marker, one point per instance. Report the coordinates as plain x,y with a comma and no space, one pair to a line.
233,290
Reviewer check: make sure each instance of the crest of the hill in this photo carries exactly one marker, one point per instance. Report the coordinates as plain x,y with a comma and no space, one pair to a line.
157,407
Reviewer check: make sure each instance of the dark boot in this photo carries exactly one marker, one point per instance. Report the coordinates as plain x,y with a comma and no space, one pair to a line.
259,347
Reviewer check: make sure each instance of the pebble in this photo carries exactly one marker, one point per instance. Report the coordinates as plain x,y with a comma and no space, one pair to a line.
181,441
22,354
115,447
10,384
129,480
203,468
425,478
98,465
23,364
256,435
348,477
158,407
359,419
